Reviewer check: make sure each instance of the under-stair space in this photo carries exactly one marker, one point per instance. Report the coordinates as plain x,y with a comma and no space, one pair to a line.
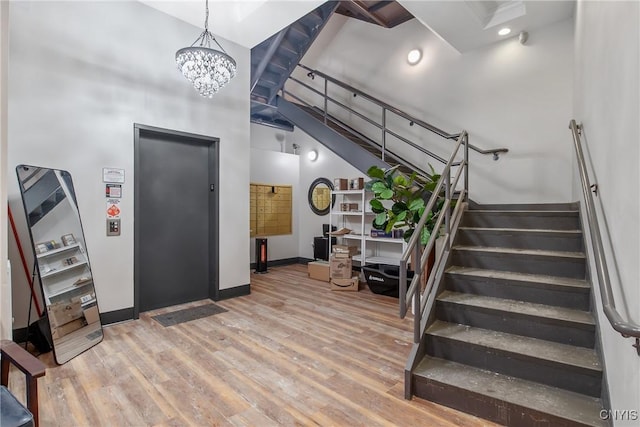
513,337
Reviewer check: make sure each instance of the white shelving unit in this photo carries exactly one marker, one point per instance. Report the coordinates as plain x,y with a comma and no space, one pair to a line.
59,278
373,250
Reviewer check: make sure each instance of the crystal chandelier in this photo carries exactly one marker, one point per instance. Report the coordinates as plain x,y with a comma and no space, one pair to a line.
208,69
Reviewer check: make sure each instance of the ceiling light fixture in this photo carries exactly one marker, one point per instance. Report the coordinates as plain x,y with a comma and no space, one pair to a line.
208,69
414,56
504,31
312,155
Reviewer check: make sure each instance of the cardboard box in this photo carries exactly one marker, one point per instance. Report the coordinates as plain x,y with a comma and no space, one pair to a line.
340,184
345,249
318,270
349,207
66,329
340,266
91,314
61,313
345,284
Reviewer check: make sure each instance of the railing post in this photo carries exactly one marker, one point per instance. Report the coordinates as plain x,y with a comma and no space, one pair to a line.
384,131
403,288
325,100
466,164
447,210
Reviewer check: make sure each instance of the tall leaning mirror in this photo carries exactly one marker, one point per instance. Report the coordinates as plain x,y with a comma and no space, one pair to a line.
61,259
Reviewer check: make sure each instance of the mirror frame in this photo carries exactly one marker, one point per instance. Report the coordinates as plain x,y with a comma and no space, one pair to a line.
77,241
312,187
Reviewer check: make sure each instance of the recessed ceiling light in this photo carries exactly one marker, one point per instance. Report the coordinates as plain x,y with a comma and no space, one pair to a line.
504,31
312,155
414,56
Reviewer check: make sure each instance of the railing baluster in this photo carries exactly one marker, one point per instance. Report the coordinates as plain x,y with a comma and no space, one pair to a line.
325,101
384,132
447,210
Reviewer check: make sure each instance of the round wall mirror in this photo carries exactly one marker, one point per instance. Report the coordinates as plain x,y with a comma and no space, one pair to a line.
319,196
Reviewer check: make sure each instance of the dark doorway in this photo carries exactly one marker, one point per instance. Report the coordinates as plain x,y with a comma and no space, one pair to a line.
176,218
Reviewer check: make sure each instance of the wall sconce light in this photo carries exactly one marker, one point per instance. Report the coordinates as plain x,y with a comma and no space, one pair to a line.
312,155
414,56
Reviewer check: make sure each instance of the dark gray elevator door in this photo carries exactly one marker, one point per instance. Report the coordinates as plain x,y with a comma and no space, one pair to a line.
173,214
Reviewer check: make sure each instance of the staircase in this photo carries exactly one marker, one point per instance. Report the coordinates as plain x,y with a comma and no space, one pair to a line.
273,60
512,337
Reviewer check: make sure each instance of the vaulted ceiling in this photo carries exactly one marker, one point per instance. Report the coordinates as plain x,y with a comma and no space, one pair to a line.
465,25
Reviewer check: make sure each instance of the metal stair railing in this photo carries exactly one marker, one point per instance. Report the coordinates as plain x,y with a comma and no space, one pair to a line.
381,125
423,297
625,327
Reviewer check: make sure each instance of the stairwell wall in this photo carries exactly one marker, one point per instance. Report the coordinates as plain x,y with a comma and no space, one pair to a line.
607,102
271,164
505,95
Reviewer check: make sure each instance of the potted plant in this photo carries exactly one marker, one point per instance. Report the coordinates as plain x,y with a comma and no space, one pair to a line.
399,201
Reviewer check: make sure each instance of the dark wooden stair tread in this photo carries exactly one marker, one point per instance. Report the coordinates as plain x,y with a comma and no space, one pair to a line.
561,403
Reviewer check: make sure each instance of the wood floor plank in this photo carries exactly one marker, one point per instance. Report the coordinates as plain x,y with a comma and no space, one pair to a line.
292,353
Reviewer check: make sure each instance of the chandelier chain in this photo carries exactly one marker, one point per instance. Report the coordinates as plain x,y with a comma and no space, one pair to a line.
206,19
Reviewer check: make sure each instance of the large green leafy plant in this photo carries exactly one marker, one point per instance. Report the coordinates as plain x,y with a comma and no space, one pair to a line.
399,201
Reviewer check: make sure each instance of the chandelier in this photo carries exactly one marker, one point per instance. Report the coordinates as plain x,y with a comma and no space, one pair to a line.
208,69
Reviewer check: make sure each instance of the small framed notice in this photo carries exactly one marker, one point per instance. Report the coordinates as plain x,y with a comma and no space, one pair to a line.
113,175
114,190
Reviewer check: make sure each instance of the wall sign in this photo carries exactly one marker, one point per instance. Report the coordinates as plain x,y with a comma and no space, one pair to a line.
112,175
113,209
113,190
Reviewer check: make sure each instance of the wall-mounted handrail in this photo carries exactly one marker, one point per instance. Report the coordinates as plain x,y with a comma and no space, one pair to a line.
387,107
626,328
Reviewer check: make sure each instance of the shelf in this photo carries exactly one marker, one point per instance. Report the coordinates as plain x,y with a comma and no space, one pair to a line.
372,239
69,289
351,213
63,269
355,192
57,251
381,260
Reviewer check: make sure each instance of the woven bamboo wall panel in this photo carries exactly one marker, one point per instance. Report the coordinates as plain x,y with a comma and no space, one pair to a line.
270,209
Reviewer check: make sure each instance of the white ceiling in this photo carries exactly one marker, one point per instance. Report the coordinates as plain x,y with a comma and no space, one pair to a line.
465,25
245,22
468,25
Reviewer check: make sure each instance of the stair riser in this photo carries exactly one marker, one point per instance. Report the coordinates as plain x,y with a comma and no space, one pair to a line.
549,294
535,220
527,367
530,326
521,263
571,242
486,407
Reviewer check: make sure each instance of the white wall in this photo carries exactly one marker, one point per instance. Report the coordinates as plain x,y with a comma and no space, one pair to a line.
505,95
274,167
327,165
81,75
307,224
607,102
5,288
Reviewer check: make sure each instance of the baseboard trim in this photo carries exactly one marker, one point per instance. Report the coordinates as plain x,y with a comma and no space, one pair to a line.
285,261
238,291
116,316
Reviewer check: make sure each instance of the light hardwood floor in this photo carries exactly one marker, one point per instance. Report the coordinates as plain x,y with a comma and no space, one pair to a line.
291,353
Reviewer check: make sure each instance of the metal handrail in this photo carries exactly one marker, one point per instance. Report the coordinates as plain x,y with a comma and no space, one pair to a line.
422,301
387,107
626,328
